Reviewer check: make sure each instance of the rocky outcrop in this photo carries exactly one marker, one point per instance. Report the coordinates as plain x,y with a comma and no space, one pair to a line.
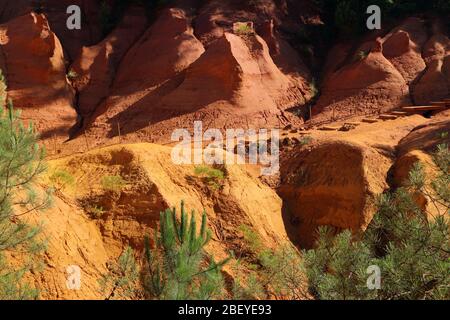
238,70
403,48
236,75
96,66
406,66
332,184
335,180
33,62
166,49
218,17
146,74
89,239
404,55
419,147
427,200
72,240
370,84
434,85
56,13
426,137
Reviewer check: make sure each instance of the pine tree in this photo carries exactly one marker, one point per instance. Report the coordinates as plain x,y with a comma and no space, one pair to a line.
21,162
178,267
411,249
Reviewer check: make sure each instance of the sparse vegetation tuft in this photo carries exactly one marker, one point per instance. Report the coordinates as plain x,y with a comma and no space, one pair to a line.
113,183
212,176
244,29
72,75
61,179
362,55
306,140
95,211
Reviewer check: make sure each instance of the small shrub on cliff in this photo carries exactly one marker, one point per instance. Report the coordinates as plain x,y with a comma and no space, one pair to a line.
244,29
21,163
306,140
61,179
212,176
314,89
113,183
362,55
72,75
95,211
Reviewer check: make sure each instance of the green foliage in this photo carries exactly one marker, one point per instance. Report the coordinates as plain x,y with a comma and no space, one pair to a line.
95,212
123,277
443,135
244,29
347,16
212,176
306,140
21,163
178,267
411,250
336,268
3,93
61,179
362,54
72,75
441,183
249,288
278,272
113,183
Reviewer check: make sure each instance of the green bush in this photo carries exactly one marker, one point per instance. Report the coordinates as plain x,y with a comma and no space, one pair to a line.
113,183
244,29
95,212
304,141
72,75
212,176
362,55
61,179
